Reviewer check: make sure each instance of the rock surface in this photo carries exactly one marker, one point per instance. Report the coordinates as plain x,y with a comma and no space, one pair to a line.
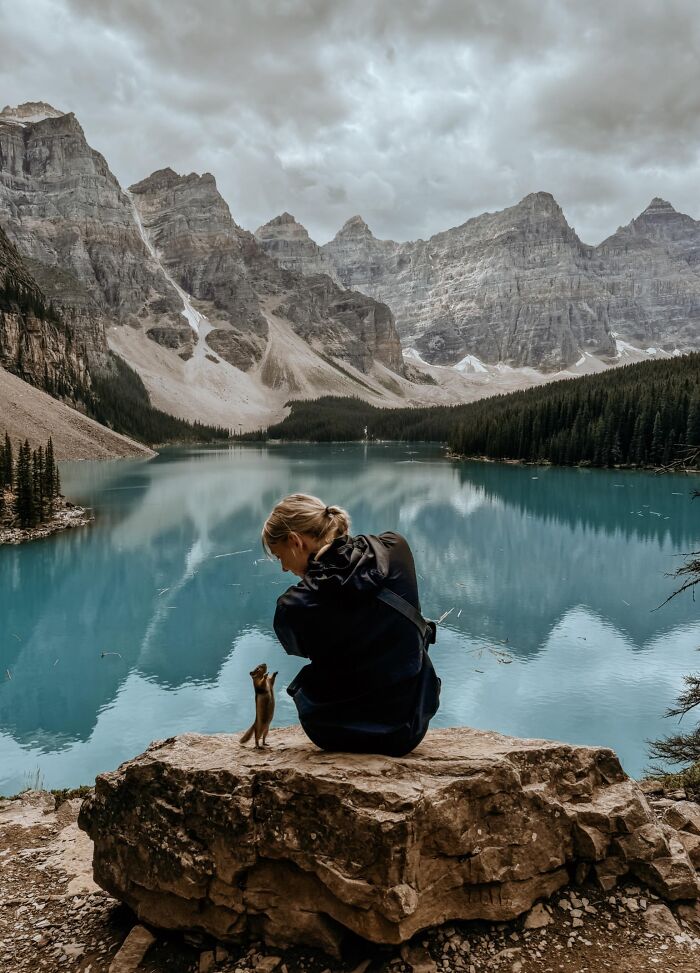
289,243
296,845
65,211
52,911
39,343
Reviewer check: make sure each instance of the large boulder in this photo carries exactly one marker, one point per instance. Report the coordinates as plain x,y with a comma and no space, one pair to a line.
295,845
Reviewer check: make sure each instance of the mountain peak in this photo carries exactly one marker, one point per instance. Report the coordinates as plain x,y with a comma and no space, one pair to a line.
160,179
29,112
167,178
658,207
355,226
541,202
283,227
539,197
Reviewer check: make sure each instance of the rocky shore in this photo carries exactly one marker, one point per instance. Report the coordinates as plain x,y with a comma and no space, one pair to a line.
300,847
54,918
65,516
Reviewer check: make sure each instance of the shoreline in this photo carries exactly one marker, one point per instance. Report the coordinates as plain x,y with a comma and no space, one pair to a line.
66,516
462,457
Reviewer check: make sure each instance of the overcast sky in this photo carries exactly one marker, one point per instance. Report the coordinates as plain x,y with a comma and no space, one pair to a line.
416,114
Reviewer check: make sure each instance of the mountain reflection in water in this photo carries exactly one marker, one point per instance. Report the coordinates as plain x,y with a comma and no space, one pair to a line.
147,623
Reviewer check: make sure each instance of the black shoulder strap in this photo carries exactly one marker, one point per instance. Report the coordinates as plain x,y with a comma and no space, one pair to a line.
425,628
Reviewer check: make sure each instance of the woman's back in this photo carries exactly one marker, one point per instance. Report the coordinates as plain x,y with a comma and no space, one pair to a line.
370,685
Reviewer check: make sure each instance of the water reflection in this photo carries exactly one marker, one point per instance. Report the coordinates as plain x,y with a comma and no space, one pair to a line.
147,623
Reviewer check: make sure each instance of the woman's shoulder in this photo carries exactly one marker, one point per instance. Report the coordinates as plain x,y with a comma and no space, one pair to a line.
392,538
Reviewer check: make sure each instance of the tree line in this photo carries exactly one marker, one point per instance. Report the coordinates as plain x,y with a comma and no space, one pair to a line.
30,482
644,414
118,398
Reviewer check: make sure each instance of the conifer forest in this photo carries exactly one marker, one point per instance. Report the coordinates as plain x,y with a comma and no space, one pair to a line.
640,415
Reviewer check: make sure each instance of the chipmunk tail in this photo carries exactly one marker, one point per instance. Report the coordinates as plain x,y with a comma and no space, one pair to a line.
247,735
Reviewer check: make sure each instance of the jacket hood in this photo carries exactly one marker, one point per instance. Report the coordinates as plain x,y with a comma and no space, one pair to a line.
359,563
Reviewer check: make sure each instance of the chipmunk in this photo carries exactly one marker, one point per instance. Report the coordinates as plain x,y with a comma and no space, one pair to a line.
264,685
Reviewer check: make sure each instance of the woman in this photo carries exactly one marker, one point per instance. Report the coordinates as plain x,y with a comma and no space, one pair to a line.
370,686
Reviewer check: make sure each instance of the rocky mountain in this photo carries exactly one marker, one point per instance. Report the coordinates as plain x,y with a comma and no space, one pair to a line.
69,218
289,243
518,287
211,258
652,275
167,279
225,326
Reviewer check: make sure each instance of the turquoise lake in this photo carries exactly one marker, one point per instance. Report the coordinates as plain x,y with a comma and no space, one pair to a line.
147,623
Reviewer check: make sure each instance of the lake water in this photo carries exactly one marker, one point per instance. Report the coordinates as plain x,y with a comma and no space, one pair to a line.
147,623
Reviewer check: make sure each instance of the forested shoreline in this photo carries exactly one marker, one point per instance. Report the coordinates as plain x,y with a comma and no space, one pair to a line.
641,415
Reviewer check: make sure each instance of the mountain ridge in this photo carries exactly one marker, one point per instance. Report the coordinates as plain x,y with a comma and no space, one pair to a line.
180,275
519,286
224,325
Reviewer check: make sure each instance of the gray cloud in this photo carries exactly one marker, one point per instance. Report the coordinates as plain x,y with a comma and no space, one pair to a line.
417,115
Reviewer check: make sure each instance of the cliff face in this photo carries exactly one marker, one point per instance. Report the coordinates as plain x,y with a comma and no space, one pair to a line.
208,256
519,287
652,275
37,342
64,210
344,323
515,287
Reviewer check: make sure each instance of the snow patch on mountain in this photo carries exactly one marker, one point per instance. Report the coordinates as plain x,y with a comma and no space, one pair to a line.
470,363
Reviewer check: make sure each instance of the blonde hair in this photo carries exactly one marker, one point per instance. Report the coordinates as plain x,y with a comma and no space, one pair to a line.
302,513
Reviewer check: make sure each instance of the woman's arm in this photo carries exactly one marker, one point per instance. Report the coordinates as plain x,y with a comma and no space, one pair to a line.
288,625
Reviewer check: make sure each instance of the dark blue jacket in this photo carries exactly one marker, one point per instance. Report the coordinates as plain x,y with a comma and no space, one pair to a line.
370,686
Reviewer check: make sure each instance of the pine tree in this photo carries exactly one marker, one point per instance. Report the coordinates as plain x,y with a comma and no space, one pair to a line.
692,436
24,494
657,440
